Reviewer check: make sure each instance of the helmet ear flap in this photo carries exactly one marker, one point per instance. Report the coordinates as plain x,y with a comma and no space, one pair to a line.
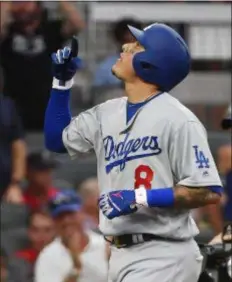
143,66
141,61
146,65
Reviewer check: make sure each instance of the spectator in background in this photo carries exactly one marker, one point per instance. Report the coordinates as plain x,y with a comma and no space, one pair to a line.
224,155
226,124
121,35
228,203
89,193
26,44
77,255
225,169
3,268
12,150
41,232
39,175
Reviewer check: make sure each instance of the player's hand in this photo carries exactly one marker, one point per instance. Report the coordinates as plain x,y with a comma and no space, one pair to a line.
118,203
65,62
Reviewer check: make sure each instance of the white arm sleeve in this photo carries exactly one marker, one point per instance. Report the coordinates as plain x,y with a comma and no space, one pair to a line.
46,270
191,159
80,135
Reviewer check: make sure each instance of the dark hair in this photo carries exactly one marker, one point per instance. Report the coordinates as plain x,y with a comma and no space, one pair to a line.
226,122
120,28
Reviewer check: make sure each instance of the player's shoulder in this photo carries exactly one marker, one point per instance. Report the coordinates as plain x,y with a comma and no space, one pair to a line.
177,111
112,104
105,108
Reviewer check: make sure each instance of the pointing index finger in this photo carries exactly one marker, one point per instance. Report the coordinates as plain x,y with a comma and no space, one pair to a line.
74,47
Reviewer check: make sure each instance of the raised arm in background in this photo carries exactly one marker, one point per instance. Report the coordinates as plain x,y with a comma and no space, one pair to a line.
73,19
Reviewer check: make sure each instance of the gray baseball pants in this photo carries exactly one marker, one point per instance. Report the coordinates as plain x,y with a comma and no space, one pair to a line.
156,261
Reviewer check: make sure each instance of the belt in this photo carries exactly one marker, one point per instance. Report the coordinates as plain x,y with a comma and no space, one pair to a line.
128,240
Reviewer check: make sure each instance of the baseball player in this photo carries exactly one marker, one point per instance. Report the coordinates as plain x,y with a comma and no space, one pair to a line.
153,159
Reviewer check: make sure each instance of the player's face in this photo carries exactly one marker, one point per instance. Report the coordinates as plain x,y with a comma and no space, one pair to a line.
123,68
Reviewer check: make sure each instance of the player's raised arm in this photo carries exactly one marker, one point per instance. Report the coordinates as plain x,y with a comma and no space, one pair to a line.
62,132
57,116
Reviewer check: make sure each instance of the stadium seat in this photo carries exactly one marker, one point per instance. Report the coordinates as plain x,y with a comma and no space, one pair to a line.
13,216
35,141
75,171
13,241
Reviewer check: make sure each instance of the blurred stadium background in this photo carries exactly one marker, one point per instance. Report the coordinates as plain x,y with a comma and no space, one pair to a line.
206,27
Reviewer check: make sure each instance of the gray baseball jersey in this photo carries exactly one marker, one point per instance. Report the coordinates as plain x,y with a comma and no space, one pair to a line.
164,144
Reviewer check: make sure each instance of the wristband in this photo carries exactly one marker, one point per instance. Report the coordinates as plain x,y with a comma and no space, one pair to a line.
56,85
161,198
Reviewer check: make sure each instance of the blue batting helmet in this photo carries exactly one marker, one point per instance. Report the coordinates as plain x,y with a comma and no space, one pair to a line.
166,59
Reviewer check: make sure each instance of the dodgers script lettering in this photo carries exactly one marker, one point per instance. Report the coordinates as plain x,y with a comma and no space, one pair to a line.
129,149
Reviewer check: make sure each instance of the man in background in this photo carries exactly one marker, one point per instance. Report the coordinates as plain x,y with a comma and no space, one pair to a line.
121,35
39,189
77,254
41,232
3,267
227,125
12,150
27,42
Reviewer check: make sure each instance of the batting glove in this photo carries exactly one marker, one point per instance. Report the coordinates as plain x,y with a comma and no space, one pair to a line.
118,203
66,63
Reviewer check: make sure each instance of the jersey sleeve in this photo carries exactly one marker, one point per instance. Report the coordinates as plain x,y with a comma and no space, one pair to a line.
191,160
81,134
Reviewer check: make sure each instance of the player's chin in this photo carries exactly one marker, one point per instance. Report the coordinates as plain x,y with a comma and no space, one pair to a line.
116,71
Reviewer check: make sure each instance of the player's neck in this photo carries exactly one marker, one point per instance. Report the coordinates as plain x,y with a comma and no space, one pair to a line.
139,92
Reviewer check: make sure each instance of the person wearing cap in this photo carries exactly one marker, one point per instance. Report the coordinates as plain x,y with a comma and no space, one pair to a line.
39,176
77,254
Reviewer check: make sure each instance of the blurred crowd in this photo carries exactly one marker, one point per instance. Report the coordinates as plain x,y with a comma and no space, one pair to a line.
35,211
